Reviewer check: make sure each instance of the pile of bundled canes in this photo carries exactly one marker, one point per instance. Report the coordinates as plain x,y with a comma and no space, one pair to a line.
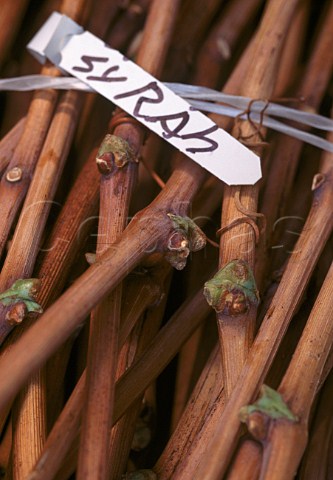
156,323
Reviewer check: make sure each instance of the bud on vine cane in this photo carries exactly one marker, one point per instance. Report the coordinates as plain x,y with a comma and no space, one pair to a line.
114,152
232,290
22,291
271,404
187,237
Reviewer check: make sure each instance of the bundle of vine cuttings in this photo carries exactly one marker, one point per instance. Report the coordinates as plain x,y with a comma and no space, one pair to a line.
155,321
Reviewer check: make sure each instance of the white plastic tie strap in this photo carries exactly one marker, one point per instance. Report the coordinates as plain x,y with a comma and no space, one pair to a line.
128,86
235,105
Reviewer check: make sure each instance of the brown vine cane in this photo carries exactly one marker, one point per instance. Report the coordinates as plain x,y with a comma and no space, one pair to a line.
247,219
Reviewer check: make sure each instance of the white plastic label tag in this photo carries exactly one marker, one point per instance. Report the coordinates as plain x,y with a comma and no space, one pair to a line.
138,93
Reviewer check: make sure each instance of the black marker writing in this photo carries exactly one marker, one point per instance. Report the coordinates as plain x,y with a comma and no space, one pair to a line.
105,76
168,123
89,61
153,87
202,136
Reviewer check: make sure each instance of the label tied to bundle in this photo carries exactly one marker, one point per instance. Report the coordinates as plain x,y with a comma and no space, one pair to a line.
135,91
